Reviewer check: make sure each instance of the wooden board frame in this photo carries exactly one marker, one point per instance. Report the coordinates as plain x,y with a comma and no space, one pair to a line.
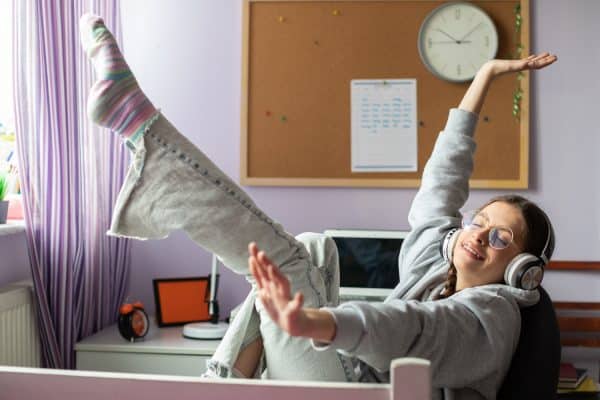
522,182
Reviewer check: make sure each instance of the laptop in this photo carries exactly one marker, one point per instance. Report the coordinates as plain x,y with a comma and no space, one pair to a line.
368,262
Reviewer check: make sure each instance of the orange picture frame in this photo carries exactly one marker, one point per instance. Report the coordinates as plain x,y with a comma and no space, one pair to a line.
181,300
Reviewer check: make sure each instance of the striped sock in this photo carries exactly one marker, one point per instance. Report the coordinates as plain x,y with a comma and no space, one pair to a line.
116,100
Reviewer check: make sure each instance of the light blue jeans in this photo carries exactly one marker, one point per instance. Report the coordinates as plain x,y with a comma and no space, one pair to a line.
172,185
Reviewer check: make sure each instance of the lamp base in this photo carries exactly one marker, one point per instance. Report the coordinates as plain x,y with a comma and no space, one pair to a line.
205,330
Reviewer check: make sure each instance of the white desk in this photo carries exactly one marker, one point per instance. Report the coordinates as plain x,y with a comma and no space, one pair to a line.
163,351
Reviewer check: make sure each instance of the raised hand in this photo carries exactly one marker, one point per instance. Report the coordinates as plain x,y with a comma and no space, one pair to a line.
533,62
274,292
475,95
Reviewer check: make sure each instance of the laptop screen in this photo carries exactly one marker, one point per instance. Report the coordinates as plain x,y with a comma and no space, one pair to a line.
368,262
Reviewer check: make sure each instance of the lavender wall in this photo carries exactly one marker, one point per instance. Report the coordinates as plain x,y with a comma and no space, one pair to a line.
187,58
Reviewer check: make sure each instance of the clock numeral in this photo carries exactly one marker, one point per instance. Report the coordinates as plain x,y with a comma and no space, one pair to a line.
429,42
458,70
487,41
457,13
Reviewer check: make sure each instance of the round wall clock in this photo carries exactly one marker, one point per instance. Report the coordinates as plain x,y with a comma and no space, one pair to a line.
456,39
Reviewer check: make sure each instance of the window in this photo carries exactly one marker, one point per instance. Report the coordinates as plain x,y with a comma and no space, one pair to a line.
6,98
8,157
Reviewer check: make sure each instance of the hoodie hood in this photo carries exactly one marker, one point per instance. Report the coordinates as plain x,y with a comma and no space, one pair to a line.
524,298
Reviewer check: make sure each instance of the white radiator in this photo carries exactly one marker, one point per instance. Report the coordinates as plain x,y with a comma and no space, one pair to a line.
19,336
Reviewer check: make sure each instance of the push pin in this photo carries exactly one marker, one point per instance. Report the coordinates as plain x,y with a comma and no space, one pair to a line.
316,42
281,19
486,119
268,113
421,123
336,13
283,118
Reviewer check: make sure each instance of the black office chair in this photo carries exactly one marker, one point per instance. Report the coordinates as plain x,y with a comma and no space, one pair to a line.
533,372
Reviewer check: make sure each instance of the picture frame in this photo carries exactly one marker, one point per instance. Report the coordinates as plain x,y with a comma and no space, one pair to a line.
181,300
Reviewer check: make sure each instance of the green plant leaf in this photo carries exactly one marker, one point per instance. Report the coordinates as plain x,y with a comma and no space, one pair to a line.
3,186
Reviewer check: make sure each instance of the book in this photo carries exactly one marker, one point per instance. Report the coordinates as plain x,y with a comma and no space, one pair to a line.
567,372
572,383
587,386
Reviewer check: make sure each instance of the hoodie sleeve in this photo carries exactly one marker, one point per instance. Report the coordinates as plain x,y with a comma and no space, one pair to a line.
445,182
466,340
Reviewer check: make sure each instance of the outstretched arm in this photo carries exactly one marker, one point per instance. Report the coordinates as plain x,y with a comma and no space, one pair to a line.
445,182
475,95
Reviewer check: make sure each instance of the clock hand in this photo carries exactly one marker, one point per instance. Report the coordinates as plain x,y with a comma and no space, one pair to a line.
455,40
471,31
449,41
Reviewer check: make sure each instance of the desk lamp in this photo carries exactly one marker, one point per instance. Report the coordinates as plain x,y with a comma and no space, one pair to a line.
212,329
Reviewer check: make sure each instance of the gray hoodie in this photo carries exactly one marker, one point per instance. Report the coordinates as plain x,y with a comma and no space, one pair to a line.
470,337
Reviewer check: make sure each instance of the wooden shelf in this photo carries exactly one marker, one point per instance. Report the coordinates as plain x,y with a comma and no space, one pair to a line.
574,265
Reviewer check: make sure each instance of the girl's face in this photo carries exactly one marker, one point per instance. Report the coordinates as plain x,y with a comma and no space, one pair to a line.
478,263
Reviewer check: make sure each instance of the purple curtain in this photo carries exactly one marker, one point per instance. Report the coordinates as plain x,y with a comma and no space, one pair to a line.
71,173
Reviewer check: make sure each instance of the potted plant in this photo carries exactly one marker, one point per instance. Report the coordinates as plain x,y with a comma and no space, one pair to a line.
3,203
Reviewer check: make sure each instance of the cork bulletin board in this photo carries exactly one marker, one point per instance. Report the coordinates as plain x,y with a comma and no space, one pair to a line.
299,58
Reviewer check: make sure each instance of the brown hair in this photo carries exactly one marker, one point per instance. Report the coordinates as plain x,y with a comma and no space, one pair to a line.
536,221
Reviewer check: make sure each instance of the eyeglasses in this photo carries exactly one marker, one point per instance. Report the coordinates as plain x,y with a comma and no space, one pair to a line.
499,237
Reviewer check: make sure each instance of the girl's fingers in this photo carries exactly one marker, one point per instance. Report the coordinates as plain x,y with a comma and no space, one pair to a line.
541,55
544,62
278,300
272,270
275,273
256,271
274,287
257,265
281,282
262,257
253,249
298,301
541,60
265,281
268,305
253,271
550,59
269,266
264,277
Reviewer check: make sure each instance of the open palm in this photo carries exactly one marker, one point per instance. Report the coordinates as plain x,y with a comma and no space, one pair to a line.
534,61
275,294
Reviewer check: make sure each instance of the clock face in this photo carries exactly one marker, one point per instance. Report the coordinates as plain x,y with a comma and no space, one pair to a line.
456,39
139,323
133,322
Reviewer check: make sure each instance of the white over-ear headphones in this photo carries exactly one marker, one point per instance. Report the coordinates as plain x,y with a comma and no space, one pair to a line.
448,244
524,271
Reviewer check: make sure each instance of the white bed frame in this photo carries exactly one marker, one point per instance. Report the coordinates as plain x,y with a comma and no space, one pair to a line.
410,380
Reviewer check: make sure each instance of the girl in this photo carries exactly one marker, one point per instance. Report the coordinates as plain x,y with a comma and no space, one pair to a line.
172,185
